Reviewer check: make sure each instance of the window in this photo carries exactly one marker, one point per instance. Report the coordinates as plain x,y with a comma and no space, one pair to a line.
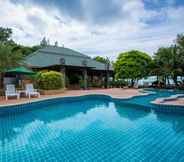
62,61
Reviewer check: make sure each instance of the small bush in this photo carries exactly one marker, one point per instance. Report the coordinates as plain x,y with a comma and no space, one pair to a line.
74,79
118,83
51,80
97,84
81,83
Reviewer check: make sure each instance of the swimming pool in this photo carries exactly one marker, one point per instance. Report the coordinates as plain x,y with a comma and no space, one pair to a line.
92,128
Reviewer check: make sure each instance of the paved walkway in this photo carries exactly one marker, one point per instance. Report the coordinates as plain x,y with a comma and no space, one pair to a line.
179,101
114,92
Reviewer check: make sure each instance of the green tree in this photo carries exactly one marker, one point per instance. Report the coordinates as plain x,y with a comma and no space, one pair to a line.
24,50
180,50
180,40
167,63
5,38
132,65
8,58
101,59
35,48
5,34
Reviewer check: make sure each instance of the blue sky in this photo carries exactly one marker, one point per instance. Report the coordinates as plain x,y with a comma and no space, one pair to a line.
95,27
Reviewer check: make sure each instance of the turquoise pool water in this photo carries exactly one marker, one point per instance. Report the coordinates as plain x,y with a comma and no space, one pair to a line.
92,129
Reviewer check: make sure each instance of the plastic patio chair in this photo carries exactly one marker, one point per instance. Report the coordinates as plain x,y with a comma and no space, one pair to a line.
11,91
30,91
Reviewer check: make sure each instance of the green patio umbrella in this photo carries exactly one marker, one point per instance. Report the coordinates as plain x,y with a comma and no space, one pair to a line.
21,70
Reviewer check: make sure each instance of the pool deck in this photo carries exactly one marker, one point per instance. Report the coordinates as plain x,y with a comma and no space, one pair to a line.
177,102
113,92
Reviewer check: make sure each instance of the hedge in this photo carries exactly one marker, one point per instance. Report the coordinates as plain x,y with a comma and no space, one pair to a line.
51,80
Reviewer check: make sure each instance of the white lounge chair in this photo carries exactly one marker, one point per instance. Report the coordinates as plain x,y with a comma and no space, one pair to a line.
30,91
11,91
136,85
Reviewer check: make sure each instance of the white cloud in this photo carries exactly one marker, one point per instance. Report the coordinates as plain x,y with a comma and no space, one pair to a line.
30,23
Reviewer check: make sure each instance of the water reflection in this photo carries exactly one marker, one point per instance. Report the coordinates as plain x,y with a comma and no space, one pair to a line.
43,127
52,122
130,112
176,121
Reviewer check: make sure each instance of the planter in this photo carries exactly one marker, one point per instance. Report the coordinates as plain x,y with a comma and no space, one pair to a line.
51,92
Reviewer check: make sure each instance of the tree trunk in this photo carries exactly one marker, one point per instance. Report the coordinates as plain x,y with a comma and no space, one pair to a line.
175,80
132,82
168,81
165,83
1,80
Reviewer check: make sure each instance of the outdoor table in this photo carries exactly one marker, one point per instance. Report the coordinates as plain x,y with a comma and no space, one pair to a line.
22,93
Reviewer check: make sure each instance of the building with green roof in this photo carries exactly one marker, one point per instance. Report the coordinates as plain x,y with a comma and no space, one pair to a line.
69,62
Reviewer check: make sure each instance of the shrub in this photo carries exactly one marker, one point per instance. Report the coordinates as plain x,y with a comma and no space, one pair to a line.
97,83
74,79
81,83
118,83
51,80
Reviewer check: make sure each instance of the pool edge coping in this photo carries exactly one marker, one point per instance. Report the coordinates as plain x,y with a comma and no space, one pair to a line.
165,99
62,97
142,93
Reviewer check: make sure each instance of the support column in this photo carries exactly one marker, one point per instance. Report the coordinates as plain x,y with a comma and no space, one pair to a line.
107,79
107,66
85,78
101,78
63,71
113,80
92,75
1,80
